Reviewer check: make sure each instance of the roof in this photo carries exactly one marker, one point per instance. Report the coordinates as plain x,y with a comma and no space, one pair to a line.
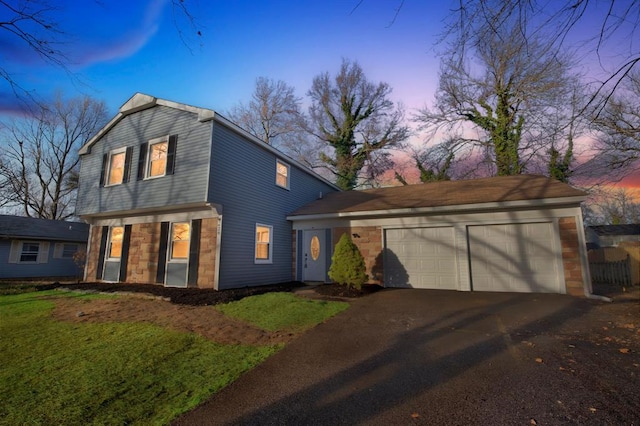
19,227
616,230
140,101
497,191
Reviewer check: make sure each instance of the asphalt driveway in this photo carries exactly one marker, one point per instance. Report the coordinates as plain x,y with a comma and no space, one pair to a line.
445,357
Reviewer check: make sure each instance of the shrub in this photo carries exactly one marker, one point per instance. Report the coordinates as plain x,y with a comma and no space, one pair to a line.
347,264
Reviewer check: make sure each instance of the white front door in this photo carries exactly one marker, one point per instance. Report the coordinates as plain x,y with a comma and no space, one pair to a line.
314,258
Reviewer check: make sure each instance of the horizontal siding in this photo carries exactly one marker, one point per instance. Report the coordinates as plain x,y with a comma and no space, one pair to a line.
243,182
52,269
187,185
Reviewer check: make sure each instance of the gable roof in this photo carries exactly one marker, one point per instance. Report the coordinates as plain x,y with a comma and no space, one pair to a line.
19,227
493,192
616,230
140,101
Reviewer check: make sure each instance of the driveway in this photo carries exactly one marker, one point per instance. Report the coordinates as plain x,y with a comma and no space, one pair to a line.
445,357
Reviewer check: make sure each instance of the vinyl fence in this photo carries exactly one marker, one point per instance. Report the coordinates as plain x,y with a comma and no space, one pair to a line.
616,272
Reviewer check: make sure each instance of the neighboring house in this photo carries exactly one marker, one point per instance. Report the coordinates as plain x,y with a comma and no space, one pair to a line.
180,196
612,235
41,248
513,233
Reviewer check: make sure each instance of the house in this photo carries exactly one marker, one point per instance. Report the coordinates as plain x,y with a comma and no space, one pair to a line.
180,196
612,235
41,248
511,233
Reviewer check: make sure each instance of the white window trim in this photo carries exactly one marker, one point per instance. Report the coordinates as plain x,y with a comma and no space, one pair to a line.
108,169
16,252
147,161
170,244
255,244
280,162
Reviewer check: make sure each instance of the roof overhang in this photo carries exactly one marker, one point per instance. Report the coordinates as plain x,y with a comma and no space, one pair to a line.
466,208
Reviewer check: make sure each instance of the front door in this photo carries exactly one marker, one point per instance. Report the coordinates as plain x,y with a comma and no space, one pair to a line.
314,257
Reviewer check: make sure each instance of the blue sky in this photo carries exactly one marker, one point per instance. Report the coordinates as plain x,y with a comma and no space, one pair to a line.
118,48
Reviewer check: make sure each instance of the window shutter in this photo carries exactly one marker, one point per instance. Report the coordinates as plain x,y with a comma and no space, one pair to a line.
171,154
57,250
194,252
142,158
103,249
16,248
43,252
162,253
103,171
124,257
127,164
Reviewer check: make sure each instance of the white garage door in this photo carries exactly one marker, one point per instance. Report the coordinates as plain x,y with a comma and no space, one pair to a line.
420,258
514,257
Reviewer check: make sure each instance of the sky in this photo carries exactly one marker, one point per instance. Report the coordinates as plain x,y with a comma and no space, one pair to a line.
117,48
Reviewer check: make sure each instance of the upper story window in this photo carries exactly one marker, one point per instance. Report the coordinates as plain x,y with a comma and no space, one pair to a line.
116,166
282,174
115,242
264,239
157,157
180,233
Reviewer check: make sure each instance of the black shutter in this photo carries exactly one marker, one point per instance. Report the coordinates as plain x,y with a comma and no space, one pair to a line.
103,171
162,255
142,158
127,164
101,253
171,154
124,257
194,253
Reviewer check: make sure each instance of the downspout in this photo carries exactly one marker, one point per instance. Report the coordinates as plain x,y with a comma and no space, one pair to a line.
584,261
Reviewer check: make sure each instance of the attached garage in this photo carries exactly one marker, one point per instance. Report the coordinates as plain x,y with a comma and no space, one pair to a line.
511,233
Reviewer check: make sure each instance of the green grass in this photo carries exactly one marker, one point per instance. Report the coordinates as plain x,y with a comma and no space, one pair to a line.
282,311
116,373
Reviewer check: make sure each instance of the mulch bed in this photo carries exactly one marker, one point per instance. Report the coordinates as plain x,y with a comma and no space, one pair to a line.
203,297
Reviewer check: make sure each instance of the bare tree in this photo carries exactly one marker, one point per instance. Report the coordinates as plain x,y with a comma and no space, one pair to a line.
39,165
273,112
612,206
354,118
618,128
499,90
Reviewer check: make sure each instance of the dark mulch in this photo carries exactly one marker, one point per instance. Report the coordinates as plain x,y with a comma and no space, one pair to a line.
184,296
337,290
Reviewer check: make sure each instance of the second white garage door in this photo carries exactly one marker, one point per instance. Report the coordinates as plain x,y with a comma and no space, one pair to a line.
420,258
514,257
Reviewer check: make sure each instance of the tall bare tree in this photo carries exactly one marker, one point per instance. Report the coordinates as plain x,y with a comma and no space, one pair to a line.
499,89
272,114
355,119
612,206
618,127
39,163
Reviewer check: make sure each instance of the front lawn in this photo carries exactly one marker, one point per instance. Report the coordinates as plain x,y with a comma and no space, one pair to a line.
56,372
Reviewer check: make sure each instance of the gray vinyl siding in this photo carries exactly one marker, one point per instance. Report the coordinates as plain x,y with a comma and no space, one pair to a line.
53,268
188,183
243,182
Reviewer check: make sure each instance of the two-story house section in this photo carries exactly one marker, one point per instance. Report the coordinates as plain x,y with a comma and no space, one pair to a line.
180,196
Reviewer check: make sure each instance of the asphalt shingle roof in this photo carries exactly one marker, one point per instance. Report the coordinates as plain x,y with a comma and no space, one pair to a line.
442,194
14,227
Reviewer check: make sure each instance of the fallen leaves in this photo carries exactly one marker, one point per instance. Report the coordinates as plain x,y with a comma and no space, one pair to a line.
539,360
624,350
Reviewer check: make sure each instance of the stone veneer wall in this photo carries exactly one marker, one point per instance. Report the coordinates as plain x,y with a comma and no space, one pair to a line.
207,261
93,249
369,242
571,256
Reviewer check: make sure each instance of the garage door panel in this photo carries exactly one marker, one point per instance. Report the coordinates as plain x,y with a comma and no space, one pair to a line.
420,258
513,257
